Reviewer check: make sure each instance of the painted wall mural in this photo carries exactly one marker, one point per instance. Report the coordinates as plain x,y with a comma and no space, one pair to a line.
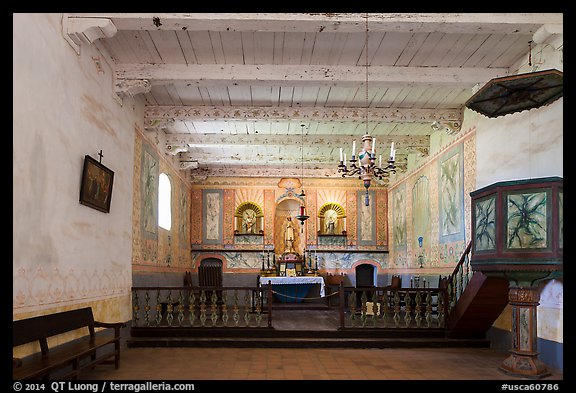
526,226
485,226
183,217
451,175
421,221
340,260
212,208
149,191
366,214
399,216
451,196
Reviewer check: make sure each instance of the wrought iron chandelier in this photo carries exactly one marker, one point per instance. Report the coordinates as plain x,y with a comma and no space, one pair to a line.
364,165
302,216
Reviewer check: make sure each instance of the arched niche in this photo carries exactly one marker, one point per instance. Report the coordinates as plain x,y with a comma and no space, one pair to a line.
332,219
249,218
288,208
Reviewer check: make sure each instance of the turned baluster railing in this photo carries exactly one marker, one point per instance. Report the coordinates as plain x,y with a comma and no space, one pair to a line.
388,307
204,307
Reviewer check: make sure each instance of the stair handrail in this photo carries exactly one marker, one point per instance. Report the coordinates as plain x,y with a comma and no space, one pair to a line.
452,293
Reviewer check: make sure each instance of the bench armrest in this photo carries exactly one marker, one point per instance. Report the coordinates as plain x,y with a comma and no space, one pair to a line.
114,325
16,362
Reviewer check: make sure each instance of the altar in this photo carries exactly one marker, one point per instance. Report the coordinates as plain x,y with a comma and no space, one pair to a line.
293,289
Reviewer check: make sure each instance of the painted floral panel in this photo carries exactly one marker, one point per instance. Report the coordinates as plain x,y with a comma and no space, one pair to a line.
451,196
399,217
485,228
526,226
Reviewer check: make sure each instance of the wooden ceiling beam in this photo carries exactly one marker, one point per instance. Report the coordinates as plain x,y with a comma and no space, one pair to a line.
457,23
156,116
204,75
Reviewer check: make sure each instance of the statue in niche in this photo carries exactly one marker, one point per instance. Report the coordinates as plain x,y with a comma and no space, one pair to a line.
248,221
289,235
330,218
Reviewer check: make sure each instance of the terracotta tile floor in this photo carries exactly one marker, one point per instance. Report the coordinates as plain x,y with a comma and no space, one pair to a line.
306,364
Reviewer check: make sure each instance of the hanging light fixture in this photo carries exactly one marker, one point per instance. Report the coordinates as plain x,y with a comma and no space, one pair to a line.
302,216
364,165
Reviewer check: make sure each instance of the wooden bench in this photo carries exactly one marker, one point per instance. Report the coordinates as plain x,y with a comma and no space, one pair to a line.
65,361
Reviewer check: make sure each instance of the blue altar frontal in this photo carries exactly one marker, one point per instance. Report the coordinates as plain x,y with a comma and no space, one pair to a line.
292,289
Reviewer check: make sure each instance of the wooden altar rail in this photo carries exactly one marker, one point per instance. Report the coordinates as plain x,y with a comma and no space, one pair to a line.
387,307
202,307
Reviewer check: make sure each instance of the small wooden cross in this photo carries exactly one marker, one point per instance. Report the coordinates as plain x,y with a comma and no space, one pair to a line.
101,155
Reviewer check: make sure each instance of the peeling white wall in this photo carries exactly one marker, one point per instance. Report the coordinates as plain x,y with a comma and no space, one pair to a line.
65,253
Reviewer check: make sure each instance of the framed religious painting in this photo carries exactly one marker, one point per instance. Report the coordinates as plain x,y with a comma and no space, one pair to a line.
96,185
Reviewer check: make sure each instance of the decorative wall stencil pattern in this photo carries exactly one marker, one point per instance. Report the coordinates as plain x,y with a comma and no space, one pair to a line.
524,329
381,218
451,195
485,226
269,207
527,220
228,216
248,239
351,218
312,211
41,288
196,216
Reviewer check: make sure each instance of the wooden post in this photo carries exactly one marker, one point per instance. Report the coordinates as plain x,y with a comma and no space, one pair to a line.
341,305
523,360
269,303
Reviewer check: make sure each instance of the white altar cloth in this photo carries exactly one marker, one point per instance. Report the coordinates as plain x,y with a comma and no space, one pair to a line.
294,280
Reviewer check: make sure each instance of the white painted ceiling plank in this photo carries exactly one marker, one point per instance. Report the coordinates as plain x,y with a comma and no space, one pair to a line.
232,47
443,46
190,95
239,95
468,50
278,50
150,100
337,96
114,48
286,93
168,46
450,56
216,42
516,50
308,48
322,96
187,48
248,48
480,53
411,49
322,47
426,49
293,47
202,46
352,49
133,46
389,97
263,48
174,94
390,48
161,95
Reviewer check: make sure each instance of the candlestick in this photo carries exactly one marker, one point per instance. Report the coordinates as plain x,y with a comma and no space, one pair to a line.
344,158
373,145
380,160
268,261
392,149
353,148
340,154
